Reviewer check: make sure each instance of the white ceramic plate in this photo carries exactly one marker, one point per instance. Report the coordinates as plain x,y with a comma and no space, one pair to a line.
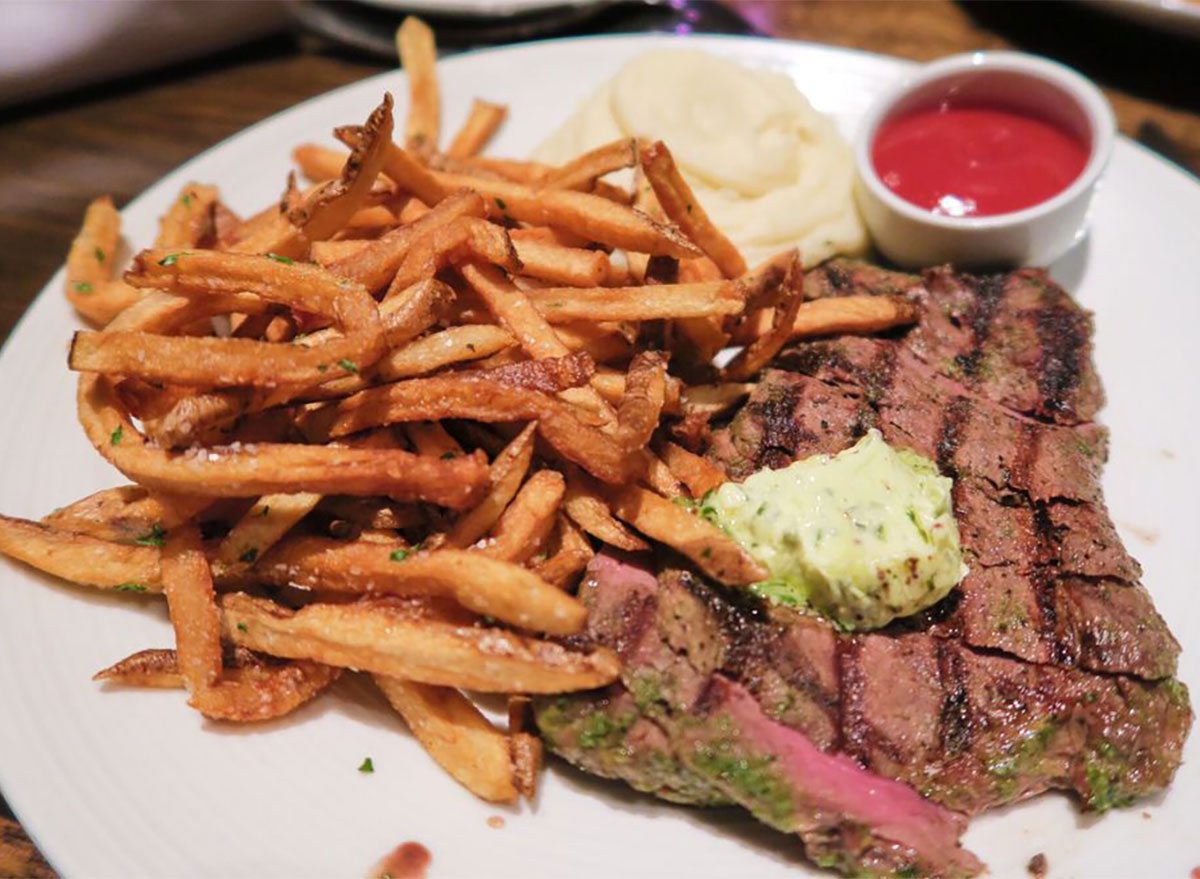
130,784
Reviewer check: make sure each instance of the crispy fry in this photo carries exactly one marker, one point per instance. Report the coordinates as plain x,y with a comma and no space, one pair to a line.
706,545
271,468
326,253
489,586
572,266
80,558
527,753
418,56
319,163
852,314
680,205
146,668
761,351
433,399
642,400
505,475
456,735
562,304
589,216
569,559
583,503
374,266
514,311
464,236
713,399
694,471
263,525
189,220
525,525
187,582
126,513
414,640
429,438
583,172
477,130
604,342
90,260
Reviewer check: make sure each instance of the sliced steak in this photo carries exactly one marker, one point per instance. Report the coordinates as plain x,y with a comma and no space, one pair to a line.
966,730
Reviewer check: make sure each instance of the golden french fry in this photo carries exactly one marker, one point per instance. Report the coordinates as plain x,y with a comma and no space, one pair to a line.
582,173
80,558
489,586
319,163
480,126
466,236
852,314
584,505
262,526
326,253
189,221
374,266
713,399
707,546
527,754
525,525
514,310
696,472
569,559
187,582
604,342
642,401
126,513
680,205
653,302
456,735
417,49
762,350
90,261
414,640
572,266
429,438
658,475
442,349
506,474
373,513
271,468
591,217
146,668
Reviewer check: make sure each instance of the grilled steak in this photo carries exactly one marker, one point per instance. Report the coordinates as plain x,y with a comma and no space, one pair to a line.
1047,668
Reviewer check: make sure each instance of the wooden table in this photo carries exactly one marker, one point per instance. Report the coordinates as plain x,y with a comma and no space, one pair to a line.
56,155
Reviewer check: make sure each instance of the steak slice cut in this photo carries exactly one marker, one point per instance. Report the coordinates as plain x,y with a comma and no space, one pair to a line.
966,730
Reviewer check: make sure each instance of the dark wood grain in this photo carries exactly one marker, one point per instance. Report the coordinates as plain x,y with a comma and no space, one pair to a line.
119,138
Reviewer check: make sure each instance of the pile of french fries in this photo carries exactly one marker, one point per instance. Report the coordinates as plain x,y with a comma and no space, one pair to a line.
384,424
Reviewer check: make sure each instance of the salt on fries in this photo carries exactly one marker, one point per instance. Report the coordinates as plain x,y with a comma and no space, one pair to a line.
440,380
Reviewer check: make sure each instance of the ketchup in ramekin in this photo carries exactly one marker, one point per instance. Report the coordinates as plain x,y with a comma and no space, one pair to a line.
965,161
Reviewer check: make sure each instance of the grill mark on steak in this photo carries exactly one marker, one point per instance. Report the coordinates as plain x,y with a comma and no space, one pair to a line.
1063,335
950,434
955,726
989,291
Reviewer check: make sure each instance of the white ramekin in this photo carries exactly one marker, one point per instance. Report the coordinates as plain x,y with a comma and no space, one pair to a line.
912,236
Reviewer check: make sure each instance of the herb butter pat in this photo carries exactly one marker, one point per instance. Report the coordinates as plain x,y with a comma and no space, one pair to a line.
861,537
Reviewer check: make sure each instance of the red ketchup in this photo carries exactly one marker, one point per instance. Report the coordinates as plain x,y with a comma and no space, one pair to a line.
975,161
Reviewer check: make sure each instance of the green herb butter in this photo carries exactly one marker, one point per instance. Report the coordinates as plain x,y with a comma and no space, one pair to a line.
861,537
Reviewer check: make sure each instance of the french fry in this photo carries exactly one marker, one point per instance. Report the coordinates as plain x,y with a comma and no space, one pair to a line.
762,350
429,438
852,314
583,504
319,163
126,513
527,753
262,526
464,236
373,513
708,547
374,266
589,216
146,668
562,304
414,640
187,582
714,399
326,253
90,260
583,172
189,221
481,124
680,205
525,525
572,266
490,586
80,558
456,735
514,311
694,471
418,56
411,176
271,468
642,401
572,556
658,475
602,341
505,475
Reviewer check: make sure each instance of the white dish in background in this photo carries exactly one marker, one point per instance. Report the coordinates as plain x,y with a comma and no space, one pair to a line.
479,8
128,784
